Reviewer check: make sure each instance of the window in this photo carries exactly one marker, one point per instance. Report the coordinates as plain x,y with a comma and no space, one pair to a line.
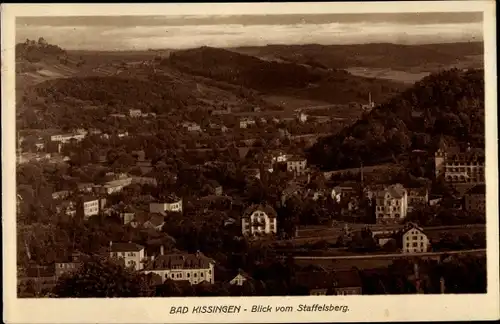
415,244
188,275
201,274
407,244
415,237
209,271
421,244
194,274
172,275
397,215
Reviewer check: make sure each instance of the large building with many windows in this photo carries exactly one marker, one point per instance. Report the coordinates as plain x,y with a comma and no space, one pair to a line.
460,166
194,268
391,204
414,240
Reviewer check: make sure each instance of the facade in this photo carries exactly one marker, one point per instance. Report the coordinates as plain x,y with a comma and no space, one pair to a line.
66,138
60,194
192,127
134,113
391,204
131,254
195,268
68,267
174,205
240,278
117,185
259,220
246,122
475,199
460,166
296,165
90,206
417,197
415,240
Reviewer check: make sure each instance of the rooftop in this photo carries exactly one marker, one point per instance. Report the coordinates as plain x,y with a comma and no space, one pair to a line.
325,280
180,261
264,208
126,247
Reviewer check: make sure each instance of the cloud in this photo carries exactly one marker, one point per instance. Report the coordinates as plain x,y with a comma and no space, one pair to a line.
233,35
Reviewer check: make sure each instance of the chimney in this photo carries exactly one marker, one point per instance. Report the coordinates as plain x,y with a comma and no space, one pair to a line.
162,250
442,285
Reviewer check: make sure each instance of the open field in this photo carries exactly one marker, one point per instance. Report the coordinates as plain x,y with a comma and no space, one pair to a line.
388,74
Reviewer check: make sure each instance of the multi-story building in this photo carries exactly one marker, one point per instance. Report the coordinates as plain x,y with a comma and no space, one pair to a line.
296,165
90,206
475,199
131,254
171,204
194,268
414,240
458,166
391,204
259,220
417,197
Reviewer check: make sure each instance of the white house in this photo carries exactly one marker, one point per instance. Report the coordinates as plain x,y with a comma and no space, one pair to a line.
173,204
391,204
414,240
194,268
117,185
131,253
90,206
296,165
240,278
259,220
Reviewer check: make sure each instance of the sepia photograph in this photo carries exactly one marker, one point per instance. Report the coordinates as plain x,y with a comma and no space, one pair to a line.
261,154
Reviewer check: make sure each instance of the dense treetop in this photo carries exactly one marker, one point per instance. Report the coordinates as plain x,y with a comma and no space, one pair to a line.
450,103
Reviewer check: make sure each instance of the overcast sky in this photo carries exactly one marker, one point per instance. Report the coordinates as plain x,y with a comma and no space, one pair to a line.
176,32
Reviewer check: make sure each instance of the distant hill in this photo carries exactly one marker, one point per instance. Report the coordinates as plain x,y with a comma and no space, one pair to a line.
450,103
428,57
291,79
34,51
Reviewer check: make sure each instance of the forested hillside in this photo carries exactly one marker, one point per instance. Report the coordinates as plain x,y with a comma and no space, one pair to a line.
450,103
316,83
394,56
